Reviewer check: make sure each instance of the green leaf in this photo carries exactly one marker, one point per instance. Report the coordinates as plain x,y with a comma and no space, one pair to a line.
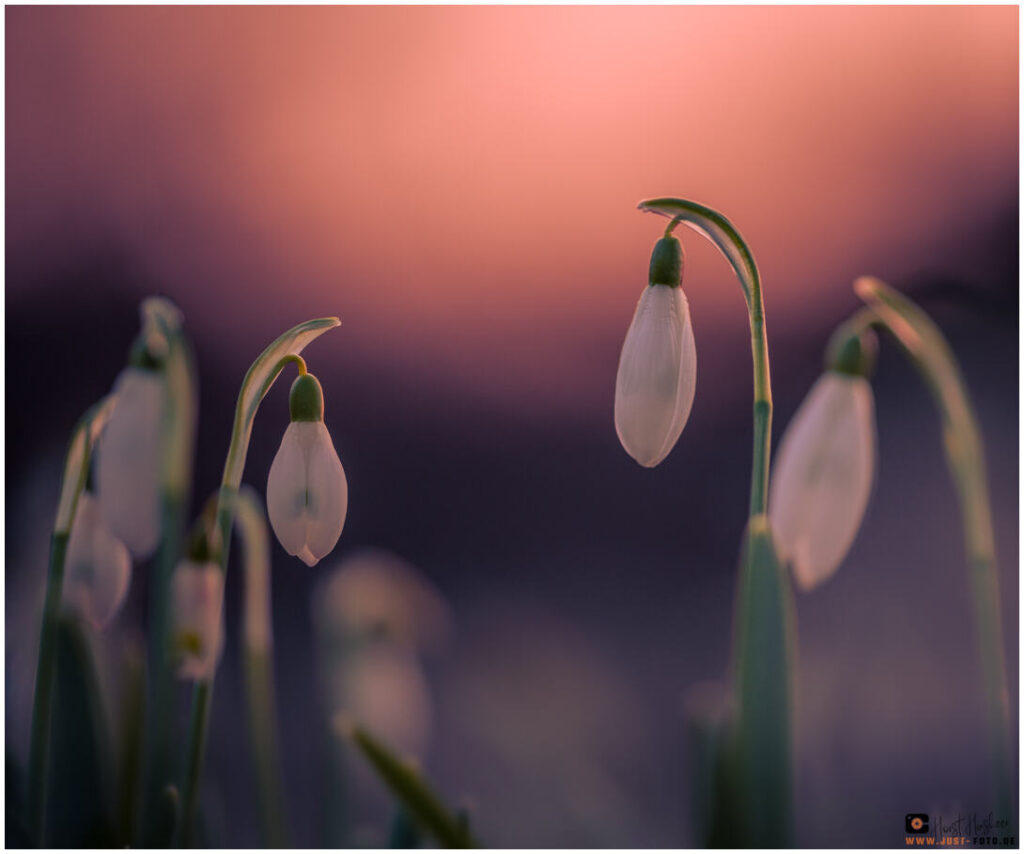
763,670
15,826
412,791
76,461
130,734
167,817
79,813
404,832
257,383
709,719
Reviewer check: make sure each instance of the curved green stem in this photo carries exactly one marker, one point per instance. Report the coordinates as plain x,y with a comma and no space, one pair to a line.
928,350
258,380
724,235
162,318
257,642
76,470
753,776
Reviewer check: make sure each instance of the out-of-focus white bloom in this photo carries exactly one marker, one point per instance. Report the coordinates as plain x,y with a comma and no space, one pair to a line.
129,461
97,568
374,615
376,594
307,493
383,688
657,375
823,475
197,595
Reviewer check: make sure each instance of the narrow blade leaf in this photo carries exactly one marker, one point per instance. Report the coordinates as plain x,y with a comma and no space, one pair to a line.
414,794
765,643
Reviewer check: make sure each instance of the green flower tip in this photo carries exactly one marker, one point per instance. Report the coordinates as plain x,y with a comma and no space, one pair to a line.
306,399
667,263
198,549
143,357
852,351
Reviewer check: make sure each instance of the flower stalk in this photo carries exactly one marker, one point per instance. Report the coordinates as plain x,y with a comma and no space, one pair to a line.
257,644
925,346
76,469
162,322
727,239
758,753
260,377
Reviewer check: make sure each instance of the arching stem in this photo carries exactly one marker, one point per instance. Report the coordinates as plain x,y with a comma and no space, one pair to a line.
755,768
76,470
258,380
925,346
724,235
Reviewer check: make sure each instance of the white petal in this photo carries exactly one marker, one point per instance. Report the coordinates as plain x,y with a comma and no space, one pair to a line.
197,595
328,495
286,488
823,475
307,494
657,375
128,461
97,568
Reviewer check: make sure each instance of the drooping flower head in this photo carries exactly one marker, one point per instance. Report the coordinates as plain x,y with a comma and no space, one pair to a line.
129,457
657,374
197,597
307,493
97,569
826,462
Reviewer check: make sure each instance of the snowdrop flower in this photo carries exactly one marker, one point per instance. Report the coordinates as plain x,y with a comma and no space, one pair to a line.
129,460
197,596
375,595
826,464
307,494
658,366
97,569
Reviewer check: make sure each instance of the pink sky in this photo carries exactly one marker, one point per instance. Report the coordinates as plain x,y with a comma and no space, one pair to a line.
459,183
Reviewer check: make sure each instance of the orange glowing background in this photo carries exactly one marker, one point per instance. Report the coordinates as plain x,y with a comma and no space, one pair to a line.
459,183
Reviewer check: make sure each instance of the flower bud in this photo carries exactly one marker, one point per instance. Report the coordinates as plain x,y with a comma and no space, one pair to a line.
823,475
129,460
852,351
307,493
197,596
658,366
97,568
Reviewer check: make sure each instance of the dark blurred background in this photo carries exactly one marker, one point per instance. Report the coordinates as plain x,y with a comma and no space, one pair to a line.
458,185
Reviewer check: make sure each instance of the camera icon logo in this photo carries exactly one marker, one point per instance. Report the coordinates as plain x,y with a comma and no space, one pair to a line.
916,822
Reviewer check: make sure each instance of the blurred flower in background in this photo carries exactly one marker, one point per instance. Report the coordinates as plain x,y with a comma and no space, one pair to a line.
376,616
97,568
